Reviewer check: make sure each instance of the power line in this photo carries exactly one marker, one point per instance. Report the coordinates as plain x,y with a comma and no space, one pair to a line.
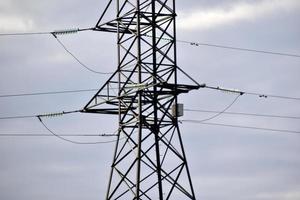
98,72
72,141
181,41
261,95
41,115
189,110
243,113
18,135
18,117
239,126
48,93
221,112
25,34
57,32
80,62
197,44
47,135
273,96
60,136
238,48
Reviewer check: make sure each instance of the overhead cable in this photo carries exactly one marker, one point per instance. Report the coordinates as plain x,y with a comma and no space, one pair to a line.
25,34
191,110
272,95
243,113
197,44
261,95
72,141
48,93
41,115
56,32
239,126
80,62
18,117
229,90
68,31
238,48
26,134
221,112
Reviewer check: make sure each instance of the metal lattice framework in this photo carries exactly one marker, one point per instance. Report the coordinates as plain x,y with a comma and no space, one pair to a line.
149,161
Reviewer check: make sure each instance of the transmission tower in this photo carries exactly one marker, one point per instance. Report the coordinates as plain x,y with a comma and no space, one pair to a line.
149,161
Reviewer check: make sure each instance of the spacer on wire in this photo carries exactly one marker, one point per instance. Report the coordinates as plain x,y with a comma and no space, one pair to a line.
194,44
263,96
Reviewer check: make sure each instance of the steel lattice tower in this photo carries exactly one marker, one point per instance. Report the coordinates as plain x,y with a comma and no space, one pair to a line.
149,161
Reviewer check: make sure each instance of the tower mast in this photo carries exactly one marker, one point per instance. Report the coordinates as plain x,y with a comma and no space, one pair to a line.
149,161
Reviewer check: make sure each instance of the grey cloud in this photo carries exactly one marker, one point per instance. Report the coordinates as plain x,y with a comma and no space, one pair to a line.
237,163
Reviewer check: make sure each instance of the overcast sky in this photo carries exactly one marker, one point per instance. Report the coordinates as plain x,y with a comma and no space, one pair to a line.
225,163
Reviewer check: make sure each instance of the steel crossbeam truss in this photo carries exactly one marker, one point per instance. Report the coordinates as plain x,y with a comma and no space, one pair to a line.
149,161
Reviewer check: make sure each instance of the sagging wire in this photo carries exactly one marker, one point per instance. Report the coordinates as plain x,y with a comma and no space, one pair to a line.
71,31
221,112
72,141
55,34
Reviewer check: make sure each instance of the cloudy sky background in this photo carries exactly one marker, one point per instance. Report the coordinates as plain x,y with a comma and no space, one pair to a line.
225,163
